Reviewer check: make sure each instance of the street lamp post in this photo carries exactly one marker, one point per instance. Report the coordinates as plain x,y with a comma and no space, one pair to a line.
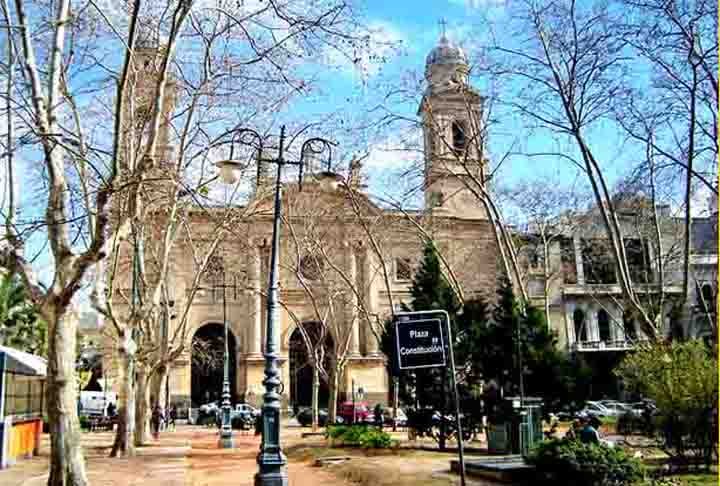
271,460
226,436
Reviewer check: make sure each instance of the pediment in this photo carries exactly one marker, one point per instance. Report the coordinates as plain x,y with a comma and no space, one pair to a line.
321,194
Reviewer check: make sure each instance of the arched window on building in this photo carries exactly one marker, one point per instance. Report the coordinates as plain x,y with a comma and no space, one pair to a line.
603,325
459,139
580,327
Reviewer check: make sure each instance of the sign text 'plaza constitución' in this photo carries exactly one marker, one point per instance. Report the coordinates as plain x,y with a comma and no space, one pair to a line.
420,343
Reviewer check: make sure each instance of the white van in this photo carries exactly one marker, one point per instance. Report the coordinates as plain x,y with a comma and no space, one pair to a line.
96,402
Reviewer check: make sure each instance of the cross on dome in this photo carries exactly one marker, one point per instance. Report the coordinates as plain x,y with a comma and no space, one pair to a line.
445,52
443,26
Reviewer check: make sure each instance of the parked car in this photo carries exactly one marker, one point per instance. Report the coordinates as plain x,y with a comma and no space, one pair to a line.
401,419
207,413
247,409
242,420
209,408
594,409
243,416
304,417
616,408
362,412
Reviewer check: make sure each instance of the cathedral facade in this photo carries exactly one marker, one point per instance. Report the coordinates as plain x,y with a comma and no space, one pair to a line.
345,262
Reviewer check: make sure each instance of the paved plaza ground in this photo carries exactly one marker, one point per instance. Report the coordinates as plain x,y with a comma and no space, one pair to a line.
189,457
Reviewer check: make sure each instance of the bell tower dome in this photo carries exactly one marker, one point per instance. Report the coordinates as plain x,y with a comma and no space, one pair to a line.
451,112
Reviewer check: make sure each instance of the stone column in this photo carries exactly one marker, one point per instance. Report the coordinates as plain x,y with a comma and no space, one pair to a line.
577,246
570,324
591,320
371,343
351,313
255,302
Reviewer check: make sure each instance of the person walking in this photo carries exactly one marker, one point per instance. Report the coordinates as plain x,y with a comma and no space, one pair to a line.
155,421
379,416
111,410
172,417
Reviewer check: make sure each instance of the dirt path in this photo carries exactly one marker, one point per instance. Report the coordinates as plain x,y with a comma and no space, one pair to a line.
161,463
209,466
190,457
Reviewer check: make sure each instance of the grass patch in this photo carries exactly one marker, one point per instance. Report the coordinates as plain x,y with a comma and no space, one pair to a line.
373,474
703,479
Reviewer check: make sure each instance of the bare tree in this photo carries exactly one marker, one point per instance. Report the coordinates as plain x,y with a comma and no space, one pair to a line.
240,53
46,93
675,115
103,186
571,63
550,216
323,263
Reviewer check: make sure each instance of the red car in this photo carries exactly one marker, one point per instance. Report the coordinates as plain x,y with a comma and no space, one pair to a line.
362,413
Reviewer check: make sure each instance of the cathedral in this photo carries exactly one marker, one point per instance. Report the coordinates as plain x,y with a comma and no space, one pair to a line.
345,262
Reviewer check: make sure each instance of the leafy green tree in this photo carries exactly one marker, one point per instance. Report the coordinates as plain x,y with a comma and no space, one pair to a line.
431,291
491,347
20,323
682,379
517,344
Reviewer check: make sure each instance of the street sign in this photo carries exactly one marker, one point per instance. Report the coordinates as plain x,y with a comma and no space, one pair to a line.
420,343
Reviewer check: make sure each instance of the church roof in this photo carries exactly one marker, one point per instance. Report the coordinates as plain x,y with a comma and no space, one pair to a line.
445,52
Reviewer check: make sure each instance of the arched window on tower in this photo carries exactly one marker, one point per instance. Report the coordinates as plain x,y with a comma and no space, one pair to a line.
603,325
580,328
459,138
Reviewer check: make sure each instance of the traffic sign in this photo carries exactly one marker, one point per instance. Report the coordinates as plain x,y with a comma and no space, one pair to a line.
419,343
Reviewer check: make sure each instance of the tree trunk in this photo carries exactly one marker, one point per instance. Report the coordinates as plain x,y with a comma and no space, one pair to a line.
333,384
67,463
157,388
315,396
142,407
124,445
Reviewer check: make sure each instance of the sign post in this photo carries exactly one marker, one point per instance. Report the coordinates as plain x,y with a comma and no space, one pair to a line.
421,343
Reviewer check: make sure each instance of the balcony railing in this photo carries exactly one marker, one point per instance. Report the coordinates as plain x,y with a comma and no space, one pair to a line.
614,345
615,289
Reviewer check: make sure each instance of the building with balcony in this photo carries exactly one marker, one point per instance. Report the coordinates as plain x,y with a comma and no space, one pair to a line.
582,294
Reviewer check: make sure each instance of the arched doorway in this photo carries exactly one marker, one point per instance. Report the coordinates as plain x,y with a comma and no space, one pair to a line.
207,360
301,368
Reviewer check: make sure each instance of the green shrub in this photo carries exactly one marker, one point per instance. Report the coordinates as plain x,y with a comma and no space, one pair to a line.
681,377
84,423
375,439
570,462
351,434
360,435
335,431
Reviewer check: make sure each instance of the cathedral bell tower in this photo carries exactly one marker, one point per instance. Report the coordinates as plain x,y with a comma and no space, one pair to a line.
138,108
451,112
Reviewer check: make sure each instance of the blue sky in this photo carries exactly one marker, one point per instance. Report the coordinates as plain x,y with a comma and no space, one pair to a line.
412,28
